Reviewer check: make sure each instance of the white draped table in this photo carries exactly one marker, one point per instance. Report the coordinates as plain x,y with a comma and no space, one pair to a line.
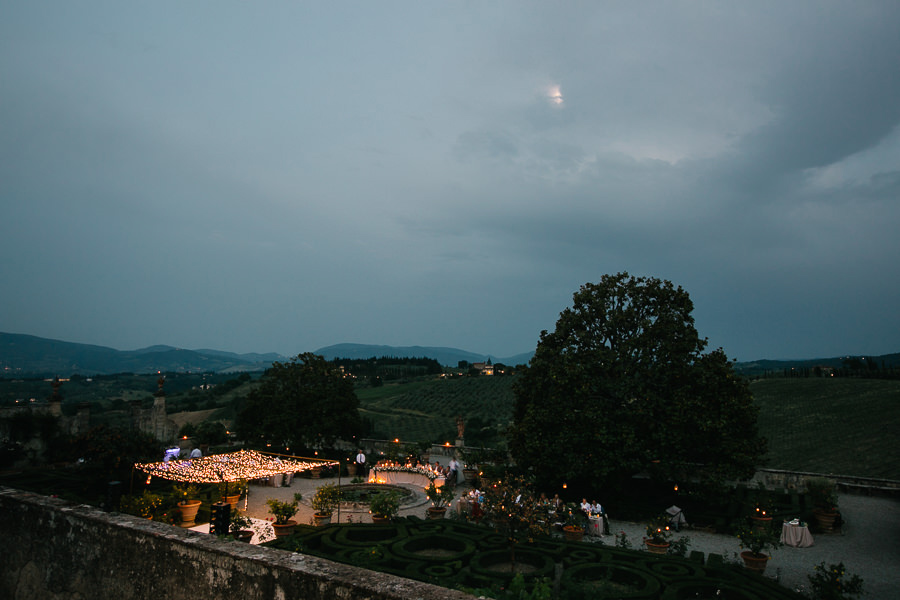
797,536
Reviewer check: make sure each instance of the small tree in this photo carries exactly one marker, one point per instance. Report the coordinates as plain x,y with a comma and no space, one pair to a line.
385,504
511,507
440,496
283,510
326,499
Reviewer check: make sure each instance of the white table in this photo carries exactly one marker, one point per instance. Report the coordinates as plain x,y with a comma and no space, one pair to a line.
595,526
797,536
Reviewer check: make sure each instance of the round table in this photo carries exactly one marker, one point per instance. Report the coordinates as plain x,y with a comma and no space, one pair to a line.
796,535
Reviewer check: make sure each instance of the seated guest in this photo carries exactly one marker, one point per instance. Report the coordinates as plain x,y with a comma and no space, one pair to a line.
585,506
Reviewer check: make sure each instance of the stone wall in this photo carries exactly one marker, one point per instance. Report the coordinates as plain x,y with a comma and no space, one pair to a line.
56,550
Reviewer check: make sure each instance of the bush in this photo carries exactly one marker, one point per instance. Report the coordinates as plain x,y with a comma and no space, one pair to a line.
832,583
326,499
385,504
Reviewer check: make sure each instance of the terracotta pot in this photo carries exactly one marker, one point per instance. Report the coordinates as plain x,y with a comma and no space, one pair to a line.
755,562
322,519
188,510
380,519
762,523
655,548
233,501
825,519
284,529
436,513
244,535
573,533
351,469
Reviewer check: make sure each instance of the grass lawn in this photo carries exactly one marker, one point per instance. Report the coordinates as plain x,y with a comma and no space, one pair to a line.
831,425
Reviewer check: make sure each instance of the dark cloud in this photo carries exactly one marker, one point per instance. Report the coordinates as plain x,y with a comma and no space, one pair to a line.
290,178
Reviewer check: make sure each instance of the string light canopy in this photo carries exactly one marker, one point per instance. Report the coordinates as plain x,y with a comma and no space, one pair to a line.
233,466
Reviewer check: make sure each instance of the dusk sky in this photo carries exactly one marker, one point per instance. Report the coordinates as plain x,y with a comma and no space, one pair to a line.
282,176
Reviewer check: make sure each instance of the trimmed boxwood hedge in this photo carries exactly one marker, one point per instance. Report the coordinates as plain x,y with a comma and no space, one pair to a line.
456,554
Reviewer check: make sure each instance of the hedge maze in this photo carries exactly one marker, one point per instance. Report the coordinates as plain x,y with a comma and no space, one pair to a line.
461,555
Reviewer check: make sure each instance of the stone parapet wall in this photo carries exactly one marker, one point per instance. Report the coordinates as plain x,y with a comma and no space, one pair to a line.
57,550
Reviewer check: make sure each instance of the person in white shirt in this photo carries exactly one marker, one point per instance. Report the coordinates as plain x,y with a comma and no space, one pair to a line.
195,453
454,471
361,464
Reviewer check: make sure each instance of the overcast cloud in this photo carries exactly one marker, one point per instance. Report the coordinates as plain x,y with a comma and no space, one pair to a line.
288,175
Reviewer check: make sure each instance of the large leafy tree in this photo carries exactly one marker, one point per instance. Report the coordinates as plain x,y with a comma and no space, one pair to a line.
622,386
305,402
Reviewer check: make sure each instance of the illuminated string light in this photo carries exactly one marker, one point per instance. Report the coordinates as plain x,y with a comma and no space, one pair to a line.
233,466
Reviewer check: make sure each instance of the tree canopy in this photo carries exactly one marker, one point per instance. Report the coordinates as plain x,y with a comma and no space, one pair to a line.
622,386
305,402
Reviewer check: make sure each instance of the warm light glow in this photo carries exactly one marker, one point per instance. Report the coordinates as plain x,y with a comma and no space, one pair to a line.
676,487
564,486
233,466
396,440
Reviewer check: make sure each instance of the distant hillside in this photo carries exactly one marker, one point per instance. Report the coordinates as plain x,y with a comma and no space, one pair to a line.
27,355
446,356
874,363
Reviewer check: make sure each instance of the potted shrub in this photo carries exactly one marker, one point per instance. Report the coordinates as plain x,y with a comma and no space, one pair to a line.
283,511
384,506
240,527
575,522
822,492
658,534
440,497
755,542
324,502
188,503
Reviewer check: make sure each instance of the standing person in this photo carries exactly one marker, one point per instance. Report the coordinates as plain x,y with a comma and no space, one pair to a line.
361,464
454,471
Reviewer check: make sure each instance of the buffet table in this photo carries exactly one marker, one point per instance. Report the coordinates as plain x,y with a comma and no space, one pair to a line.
796,535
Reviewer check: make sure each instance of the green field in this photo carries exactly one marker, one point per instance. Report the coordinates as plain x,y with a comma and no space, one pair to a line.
843,426
427,410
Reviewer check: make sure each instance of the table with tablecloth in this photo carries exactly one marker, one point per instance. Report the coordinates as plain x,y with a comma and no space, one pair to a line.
796,535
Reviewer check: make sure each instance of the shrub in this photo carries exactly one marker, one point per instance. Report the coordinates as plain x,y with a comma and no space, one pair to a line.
283,511
326,499
385,504
832,583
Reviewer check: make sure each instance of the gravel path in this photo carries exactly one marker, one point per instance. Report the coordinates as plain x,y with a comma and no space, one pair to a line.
869,545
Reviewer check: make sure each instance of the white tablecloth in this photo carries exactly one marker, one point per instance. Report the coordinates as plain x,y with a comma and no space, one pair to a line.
796,535
595,526
401,477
